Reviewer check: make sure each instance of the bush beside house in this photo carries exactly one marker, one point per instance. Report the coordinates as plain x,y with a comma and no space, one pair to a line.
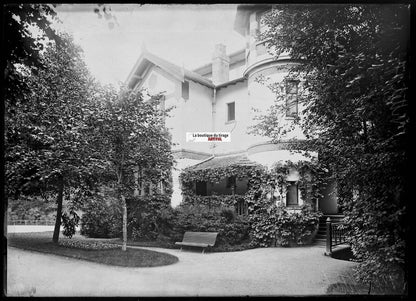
101,218
266,223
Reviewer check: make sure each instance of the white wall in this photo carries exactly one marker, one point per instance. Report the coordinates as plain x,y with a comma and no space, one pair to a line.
262,98
179,166
196,116
191,115
237,70
247,96
239,138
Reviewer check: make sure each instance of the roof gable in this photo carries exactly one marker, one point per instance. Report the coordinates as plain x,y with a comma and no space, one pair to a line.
179,73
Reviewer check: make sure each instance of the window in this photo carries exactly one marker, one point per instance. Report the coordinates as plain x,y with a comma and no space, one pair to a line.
185,90
261,26
231,111
201,188
241,207
161,187
231,182
291,98
292,194
146,188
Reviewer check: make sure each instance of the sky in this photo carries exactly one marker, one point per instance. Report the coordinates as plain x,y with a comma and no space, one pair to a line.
182,34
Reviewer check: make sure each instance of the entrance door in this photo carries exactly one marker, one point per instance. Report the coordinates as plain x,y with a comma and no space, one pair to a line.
329,203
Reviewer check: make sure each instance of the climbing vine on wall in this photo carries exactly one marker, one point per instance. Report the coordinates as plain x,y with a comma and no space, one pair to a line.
264,215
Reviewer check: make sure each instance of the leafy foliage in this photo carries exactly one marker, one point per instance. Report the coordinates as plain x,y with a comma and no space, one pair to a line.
198,218
296,227
266,222
46,141
283,227
354,72
33,208
22,49
132,144
101,218
70,221
87,245
144,220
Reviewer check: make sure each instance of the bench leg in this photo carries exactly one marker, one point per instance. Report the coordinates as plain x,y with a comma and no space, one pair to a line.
203,250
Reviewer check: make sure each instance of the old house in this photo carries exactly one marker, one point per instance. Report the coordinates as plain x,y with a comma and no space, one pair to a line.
225,95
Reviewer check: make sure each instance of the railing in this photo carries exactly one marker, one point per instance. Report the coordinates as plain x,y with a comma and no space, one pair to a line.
31,222
241,207
335,235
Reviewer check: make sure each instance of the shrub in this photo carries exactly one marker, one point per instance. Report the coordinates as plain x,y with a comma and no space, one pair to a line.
87,245
145,221
283,227
297,227
232,230
101,219
228,214
69,222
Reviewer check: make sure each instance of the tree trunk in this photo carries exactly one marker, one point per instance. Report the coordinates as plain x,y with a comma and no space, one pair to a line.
123,199
59,201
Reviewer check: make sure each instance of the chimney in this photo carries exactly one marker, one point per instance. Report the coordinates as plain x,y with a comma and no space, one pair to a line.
220,65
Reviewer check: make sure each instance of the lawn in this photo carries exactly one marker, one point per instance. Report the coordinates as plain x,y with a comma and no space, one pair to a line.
347,285
100,251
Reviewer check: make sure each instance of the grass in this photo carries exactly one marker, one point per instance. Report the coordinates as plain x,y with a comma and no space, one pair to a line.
169,243
42,242
347,285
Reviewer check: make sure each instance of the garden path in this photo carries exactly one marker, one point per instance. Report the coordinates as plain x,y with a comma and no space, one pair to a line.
256,272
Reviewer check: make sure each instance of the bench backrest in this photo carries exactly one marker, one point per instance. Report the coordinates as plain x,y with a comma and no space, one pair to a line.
208,238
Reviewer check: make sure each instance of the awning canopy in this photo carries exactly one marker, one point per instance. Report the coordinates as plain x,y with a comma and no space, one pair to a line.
270,158
224,161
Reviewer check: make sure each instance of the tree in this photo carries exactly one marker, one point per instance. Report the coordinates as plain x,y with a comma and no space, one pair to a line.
20,46
47,146
130,141
355,72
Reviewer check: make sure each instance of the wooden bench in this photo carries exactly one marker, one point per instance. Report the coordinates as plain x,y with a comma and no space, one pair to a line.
198,239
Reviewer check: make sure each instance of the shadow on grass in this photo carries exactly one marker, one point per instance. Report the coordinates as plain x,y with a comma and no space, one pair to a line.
42,242
347,285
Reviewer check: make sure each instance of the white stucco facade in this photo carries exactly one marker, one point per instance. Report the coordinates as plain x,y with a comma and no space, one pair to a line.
205,106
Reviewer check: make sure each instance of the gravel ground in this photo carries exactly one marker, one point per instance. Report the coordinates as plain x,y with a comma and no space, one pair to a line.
257,272
31,228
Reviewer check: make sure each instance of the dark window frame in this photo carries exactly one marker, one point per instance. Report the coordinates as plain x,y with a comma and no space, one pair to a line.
198,189
241,207
292,100
185,90
290,202
231,182
231,117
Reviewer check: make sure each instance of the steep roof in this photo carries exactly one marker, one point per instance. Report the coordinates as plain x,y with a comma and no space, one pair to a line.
224,161
178,72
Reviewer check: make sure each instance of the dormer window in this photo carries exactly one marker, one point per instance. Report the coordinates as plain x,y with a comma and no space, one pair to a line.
185,90
291,98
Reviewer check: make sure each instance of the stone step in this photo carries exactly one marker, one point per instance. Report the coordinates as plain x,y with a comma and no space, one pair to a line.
320,242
